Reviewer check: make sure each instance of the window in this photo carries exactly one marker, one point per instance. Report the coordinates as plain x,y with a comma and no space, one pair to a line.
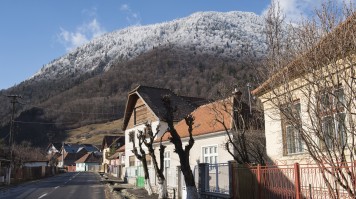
210,154
131,160
331,110
131,136
291,126
167,159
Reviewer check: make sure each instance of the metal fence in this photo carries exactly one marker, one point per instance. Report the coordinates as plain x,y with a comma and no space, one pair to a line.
213,180
288,181
169,173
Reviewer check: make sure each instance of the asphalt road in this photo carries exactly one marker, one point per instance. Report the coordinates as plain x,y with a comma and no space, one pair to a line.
74,185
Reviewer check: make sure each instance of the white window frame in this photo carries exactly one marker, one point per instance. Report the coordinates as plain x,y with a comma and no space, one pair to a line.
210,153
167,159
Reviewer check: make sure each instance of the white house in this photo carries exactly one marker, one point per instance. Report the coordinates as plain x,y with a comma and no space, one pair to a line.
309,104
89,159
144,104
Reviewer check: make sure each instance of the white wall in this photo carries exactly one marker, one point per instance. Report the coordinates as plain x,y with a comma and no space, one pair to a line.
129,145
196,153
35,164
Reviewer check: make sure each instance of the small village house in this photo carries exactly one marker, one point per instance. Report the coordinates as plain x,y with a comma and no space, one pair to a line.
72,152
117,163
318,88
309,110
144,105
109,145
87,161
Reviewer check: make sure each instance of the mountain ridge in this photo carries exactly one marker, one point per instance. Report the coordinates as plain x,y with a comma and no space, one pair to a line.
90,84
125,44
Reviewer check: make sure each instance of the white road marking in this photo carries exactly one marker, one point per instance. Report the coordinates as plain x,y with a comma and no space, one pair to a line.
43,195
56,187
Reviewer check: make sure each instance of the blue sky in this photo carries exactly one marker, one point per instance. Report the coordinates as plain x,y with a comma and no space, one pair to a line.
35,32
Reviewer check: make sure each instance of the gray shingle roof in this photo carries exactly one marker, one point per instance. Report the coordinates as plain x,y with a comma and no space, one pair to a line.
153,98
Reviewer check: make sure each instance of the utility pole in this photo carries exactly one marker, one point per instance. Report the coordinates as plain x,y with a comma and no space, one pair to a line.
11,134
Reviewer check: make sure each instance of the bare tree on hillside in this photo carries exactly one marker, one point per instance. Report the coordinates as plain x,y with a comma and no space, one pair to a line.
183,153
314,95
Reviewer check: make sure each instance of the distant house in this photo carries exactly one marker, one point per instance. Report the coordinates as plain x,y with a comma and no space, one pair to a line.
109,145
144,104
87,160
117,162
54,148
72,152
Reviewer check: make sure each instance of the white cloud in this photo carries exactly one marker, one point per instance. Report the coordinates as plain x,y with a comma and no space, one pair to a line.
132,17
295,10
83,34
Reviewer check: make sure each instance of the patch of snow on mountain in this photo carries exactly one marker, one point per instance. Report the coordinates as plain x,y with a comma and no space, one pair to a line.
227,33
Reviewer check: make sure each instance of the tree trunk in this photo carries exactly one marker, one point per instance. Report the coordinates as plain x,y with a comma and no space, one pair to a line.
162,188
192,192
148,186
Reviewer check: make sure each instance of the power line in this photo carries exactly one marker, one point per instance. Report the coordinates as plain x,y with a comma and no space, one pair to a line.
52,123
84,113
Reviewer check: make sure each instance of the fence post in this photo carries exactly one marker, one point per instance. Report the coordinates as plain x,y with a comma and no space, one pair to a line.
203,177
259,181
354,176
233,183
297,180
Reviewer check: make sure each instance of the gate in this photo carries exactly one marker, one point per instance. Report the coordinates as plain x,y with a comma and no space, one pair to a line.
140,179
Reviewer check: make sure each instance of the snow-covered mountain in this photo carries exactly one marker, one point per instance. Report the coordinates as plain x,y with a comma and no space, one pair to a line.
228,34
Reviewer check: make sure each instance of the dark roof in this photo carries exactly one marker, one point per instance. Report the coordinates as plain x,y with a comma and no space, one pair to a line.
75,148
70,156
108,140
89,158
152,96
56,145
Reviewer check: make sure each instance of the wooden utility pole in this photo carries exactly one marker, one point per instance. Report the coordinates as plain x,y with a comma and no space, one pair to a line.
11,134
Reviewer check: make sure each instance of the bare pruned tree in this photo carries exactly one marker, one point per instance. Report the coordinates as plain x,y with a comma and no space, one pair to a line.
141,155
149,138
183,153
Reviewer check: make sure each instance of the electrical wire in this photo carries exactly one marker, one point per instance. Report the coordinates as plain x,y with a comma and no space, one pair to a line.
57,123
83,113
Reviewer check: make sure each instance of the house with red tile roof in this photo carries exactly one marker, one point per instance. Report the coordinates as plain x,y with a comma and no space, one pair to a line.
209,135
